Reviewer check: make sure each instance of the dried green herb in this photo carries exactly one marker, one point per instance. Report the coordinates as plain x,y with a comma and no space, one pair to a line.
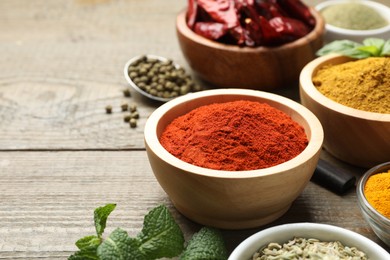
308,248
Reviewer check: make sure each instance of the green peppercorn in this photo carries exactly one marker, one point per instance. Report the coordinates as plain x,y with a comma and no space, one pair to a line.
142,85
133,122
153,92
134,114
126,92
124,106
126,118
133,107
161,78
108,109
133,74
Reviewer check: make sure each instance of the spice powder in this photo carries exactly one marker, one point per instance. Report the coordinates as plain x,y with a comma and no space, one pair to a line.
362,84
377,192
234,136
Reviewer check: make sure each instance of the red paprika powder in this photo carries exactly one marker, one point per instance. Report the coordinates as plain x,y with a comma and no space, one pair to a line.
234,136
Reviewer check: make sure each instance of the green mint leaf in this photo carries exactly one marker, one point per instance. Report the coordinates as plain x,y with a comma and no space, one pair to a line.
207,244
386,49
88,241
378,43
371,50
100,217
118,246
161,236
87,253
340,47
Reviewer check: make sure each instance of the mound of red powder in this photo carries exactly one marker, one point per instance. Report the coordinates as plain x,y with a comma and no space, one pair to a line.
234,136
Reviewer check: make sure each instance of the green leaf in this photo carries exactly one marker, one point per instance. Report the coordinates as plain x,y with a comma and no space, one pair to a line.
340,46
386,49
88,241
378,43
206,244
119,246
87,253
100,216
371,50
160,236
355,53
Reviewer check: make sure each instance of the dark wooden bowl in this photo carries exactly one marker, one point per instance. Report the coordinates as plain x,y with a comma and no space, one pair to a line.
262,68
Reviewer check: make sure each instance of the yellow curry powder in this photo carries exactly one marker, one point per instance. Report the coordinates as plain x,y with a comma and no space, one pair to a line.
377,192
361,84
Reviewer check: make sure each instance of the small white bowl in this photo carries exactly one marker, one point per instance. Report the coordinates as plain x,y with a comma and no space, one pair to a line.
379,223
324,232
135,86
333,33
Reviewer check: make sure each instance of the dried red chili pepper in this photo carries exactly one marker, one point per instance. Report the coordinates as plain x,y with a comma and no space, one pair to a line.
290,29
191,13
250,22
221,11
270,35
298,10
212,31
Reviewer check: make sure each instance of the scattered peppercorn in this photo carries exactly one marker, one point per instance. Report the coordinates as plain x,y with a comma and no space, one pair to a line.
124,107
134,114
130,117
108,109
126,92
133,107
133,122
160,78
127,118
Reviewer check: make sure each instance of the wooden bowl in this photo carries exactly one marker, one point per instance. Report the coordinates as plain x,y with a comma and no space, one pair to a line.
355,136
262,68
231,199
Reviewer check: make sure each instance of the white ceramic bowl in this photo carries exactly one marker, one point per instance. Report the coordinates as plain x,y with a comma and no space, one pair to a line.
324,232
231,199
333,33
379,223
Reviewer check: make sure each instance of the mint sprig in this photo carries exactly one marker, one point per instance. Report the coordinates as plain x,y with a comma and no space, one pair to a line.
160,237
206,244
370,47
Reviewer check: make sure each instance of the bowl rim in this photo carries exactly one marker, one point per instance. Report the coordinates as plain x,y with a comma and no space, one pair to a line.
181,26
322,231
382,9
362,199
135,86
313,147
306,84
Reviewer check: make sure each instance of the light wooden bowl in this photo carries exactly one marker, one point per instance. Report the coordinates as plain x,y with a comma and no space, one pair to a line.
355,136
262,68
231,199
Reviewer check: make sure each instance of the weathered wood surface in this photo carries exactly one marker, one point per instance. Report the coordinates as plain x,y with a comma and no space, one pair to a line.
47,201
61,155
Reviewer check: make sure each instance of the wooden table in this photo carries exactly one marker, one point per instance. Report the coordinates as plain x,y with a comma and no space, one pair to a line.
61,155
